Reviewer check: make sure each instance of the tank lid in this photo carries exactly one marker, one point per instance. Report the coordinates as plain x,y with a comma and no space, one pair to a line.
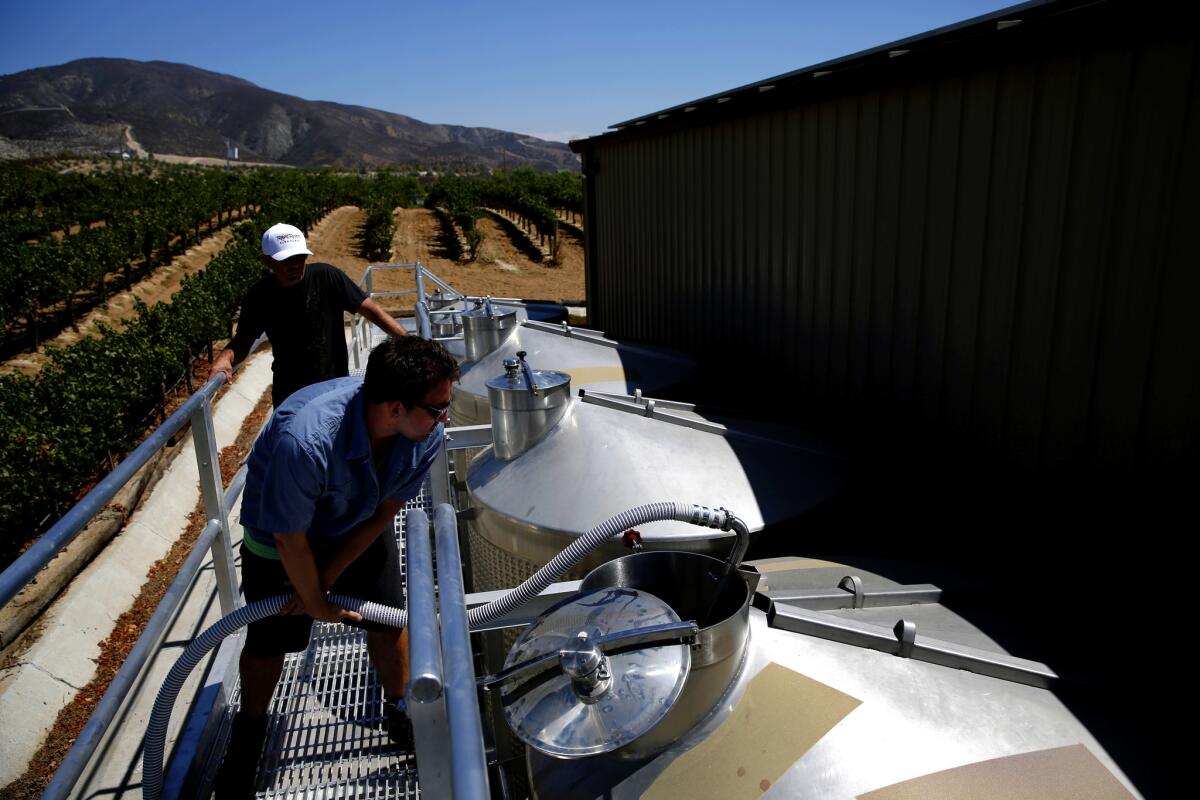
519,377
484,308
620,658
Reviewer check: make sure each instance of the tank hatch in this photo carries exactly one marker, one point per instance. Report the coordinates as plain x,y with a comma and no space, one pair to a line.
486,327
595,672
526,403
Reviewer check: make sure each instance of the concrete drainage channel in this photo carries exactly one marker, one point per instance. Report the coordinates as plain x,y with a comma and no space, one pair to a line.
46,677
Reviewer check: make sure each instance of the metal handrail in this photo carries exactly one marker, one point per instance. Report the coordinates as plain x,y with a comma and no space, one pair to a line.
199,405
48,545
424,313
65,777
423,327
358,337
364,281
426,694
420,283
424,653
443,284
462,702
214,540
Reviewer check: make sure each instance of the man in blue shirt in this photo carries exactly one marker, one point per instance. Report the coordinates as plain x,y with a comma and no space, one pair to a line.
327,475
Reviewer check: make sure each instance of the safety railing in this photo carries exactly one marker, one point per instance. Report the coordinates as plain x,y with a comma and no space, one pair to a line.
462,699
358,332
214,539
426,693
443,700
427,317
457,736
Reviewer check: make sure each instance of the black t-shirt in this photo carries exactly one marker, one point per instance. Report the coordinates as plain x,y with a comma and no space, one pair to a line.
305,325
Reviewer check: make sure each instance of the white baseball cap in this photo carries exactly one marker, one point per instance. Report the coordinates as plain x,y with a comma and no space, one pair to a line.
284,241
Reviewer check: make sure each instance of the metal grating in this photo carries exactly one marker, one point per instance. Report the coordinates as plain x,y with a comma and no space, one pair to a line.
326,737
327,732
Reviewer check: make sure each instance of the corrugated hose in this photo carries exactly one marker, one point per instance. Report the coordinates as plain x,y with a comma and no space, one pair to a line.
160,716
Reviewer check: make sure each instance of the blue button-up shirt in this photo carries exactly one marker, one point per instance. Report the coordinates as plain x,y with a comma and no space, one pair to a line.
311,468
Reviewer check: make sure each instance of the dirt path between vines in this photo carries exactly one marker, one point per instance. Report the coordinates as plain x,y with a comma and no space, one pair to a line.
502,269
159,286
335,240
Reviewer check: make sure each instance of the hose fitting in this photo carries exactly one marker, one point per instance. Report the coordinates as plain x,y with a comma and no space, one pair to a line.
707,517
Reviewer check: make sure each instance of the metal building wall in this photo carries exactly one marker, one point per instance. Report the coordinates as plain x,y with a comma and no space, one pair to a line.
1007,252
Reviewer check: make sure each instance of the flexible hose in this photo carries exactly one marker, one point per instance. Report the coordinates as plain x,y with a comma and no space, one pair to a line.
578,550
160,716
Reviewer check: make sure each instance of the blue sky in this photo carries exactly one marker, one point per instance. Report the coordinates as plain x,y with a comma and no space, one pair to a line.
558,70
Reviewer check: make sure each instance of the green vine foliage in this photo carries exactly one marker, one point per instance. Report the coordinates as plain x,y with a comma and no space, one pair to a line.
142,218
95,397
532,195
99,396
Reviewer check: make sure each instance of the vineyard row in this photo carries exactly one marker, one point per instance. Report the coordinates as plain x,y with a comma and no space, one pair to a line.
94,397
533,198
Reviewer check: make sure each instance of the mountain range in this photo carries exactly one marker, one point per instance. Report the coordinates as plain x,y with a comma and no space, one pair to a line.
106,104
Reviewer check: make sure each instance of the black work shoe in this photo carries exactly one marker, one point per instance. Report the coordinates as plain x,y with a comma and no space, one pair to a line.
235,781
398,726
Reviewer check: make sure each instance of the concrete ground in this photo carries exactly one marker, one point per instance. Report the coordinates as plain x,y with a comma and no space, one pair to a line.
62,660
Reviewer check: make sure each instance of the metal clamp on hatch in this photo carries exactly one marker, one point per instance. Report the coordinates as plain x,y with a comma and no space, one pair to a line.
527,371
585,660
515,367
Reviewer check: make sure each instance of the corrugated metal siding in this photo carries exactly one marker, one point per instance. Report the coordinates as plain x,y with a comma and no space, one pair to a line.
1009,253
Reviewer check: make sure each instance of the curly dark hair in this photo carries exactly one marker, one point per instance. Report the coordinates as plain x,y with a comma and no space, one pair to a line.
405,369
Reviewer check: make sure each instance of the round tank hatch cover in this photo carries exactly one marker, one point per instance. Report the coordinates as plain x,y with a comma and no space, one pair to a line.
518,381
490,310
552,714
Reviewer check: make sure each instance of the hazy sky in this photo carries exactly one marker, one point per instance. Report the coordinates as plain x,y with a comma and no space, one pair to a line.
556,70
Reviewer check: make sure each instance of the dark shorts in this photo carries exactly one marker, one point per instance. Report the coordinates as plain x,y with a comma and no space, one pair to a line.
263,578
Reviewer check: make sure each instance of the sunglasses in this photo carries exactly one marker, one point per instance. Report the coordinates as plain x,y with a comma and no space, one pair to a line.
437,411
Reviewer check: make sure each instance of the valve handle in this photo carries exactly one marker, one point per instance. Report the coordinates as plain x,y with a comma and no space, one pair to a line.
632,539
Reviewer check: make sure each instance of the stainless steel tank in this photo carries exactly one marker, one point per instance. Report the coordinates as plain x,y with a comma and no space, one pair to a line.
594,362
610,452
849,685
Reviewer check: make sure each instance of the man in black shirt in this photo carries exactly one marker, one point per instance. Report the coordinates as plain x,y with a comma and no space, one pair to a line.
300,308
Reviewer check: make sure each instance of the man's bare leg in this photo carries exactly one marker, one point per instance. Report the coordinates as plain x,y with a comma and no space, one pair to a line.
259,675
389,655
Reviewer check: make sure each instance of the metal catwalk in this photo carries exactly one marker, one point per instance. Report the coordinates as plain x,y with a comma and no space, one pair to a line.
327,737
